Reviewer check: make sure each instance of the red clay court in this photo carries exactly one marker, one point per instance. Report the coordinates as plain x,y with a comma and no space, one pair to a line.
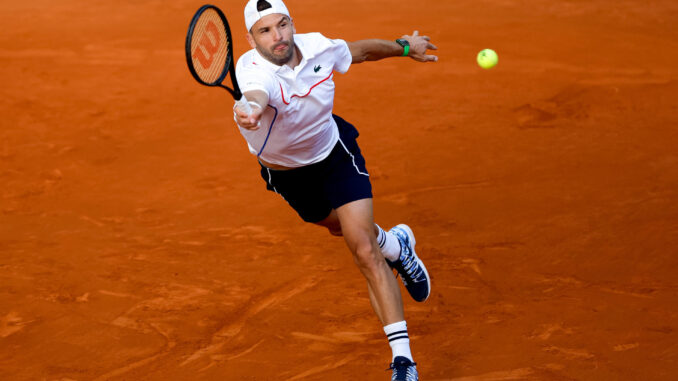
137,241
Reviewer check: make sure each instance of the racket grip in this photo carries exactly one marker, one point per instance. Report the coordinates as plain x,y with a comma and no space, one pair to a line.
244,105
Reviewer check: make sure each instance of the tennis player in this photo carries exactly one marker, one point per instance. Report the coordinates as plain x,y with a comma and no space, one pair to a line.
310,156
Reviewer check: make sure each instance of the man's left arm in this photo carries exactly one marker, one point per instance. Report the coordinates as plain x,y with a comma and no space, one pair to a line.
375,49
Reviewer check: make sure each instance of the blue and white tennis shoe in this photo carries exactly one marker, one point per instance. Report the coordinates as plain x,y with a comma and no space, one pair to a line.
404,369
410,268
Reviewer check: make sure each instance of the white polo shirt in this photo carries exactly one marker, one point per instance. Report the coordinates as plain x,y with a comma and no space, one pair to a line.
297,127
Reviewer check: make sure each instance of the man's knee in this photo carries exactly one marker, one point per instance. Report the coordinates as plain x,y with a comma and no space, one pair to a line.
334,229
332,224
366,255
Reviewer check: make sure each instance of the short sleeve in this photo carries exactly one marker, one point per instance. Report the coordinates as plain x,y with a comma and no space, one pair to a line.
251,78
342,54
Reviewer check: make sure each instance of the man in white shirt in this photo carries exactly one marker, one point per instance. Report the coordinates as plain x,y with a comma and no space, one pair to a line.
311,158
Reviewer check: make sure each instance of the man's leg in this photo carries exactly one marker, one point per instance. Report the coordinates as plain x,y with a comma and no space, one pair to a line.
359,231
332,223
397,246
357,226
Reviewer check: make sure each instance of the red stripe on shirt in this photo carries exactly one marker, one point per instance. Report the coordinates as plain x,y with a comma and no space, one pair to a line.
301,96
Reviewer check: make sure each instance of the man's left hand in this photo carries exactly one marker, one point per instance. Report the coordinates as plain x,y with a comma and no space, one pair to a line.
418,47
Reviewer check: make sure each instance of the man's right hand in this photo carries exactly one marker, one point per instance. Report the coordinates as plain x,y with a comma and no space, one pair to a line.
257,100
249,122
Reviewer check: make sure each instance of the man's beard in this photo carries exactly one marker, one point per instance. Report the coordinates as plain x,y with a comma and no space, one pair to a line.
276,59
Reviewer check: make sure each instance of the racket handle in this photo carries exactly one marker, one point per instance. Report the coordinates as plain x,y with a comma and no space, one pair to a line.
244,105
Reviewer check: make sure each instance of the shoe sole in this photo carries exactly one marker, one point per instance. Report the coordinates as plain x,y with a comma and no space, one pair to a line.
410,235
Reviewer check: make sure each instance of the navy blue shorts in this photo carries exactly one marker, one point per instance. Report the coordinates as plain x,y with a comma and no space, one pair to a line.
314,190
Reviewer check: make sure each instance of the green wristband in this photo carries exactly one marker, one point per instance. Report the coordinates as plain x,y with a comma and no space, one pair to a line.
405,44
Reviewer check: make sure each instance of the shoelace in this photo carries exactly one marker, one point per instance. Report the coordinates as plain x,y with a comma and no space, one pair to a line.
408,369
411,267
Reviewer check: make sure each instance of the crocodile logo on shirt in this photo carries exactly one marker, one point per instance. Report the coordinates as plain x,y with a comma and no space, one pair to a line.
317,68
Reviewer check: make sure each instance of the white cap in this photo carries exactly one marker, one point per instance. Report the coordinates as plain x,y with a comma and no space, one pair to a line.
252,15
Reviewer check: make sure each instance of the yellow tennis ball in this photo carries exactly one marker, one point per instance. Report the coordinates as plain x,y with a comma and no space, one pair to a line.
487,58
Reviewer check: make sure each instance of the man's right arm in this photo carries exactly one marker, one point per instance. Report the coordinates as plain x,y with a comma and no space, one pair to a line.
258,100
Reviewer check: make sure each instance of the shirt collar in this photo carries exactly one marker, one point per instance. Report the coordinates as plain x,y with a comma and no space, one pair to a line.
306,52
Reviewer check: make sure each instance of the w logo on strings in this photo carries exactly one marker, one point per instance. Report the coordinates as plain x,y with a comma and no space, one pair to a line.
208,45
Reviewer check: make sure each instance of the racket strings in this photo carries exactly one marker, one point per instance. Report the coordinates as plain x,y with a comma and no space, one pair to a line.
209,47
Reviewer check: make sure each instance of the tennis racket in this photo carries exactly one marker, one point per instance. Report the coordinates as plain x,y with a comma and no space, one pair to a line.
209,52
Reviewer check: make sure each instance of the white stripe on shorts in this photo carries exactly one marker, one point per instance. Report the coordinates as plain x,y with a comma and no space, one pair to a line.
269,180
353,159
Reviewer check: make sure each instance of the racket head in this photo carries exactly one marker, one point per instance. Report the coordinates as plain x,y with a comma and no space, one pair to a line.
209,47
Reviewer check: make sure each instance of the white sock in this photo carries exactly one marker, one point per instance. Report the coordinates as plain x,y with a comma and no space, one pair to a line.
388,244
398,339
